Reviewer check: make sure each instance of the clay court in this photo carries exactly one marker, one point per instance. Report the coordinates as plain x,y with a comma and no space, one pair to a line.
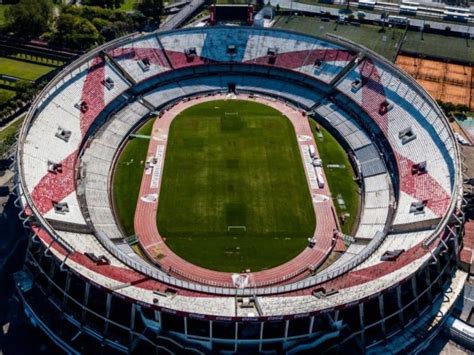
444,81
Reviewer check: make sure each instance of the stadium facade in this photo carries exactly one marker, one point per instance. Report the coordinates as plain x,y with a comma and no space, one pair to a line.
85,286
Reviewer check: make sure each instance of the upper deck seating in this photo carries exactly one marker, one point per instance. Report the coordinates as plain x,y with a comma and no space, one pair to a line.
396,109
141,58
314,57
392,242
59,127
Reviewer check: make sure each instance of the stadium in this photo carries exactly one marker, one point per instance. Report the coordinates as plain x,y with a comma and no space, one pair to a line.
135,250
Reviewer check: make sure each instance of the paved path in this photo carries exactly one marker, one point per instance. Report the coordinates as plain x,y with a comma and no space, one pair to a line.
147,206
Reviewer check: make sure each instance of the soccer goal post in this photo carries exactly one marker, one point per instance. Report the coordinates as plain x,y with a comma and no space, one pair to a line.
231,113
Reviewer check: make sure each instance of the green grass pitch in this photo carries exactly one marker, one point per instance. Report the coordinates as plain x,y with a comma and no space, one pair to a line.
234,163
452,47
368,35
22,69
128,177
231,168
341,180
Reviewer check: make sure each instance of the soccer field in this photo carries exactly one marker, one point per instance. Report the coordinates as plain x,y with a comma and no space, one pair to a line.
452,47
385,44
234,163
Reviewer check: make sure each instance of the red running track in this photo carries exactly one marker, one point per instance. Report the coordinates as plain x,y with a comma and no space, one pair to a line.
157,250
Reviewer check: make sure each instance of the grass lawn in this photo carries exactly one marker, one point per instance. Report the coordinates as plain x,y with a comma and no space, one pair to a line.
366,35
242,168
23,57
3,8
128,5
7,134
128,176
341,181
10,129
452,47
6,95
23,70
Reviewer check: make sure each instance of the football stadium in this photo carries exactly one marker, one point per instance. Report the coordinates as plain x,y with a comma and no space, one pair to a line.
238,190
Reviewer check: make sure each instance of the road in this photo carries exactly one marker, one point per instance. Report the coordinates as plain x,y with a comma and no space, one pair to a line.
178,19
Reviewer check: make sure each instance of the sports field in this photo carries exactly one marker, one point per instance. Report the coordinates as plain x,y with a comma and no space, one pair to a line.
234,163
439,46
445,81
128,176
369,36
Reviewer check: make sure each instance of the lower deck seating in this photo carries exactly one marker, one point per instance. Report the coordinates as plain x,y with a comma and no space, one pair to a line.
367,154
370,160
375,210
285,90
164,94
97,163
353,250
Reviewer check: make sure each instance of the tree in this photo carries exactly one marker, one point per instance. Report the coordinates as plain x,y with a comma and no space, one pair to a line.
29,18
447,107
151,8
462,108
110,4
4,97
75,32
23,86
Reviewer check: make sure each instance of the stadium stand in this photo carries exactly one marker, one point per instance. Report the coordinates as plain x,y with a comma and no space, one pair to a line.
141,59
403,254
97,162
426,144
